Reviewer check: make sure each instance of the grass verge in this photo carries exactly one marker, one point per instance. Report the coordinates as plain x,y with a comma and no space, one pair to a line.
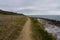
38,32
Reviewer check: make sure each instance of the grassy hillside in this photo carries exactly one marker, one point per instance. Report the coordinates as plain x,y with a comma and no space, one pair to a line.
38,31
9,13
11,25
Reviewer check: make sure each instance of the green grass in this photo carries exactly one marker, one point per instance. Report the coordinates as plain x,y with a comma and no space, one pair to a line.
39,33
11,26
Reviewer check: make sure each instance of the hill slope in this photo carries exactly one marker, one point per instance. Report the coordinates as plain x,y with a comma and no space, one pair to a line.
11,25
9,13
15,26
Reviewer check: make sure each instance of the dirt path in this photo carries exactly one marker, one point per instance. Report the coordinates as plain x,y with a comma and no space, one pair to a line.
26,32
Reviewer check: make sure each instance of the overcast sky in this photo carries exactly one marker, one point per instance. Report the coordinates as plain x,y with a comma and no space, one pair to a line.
32,7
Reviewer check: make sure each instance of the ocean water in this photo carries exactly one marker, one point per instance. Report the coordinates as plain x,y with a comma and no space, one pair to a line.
54,17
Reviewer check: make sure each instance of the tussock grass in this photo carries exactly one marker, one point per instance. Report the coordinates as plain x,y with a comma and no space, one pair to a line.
11,26
38,31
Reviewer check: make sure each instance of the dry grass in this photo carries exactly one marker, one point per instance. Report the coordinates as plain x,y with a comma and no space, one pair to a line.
10,26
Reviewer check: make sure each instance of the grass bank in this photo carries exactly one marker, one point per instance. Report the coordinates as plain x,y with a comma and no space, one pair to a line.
38,32
11,26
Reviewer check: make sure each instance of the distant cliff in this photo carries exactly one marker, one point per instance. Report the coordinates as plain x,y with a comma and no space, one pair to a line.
9,13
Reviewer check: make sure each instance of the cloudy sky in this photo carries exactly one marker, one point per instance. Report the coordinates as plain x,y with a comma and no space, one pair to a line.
32,7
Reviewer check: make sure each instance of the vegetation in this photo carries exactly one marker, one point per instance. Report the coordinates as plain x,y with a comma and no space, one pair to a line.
11,26
9,13
38,31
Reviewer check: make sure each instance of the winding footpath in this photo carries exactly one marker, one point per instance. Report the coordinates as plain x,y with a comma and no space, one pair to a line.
26,32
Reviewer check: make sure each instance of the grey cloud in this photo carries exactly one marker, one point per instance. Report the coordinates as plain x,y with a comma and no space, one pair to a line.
32,6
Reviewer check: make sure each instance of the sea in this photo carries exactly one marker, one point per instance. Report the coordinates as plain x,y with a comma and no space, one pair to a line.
54,17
